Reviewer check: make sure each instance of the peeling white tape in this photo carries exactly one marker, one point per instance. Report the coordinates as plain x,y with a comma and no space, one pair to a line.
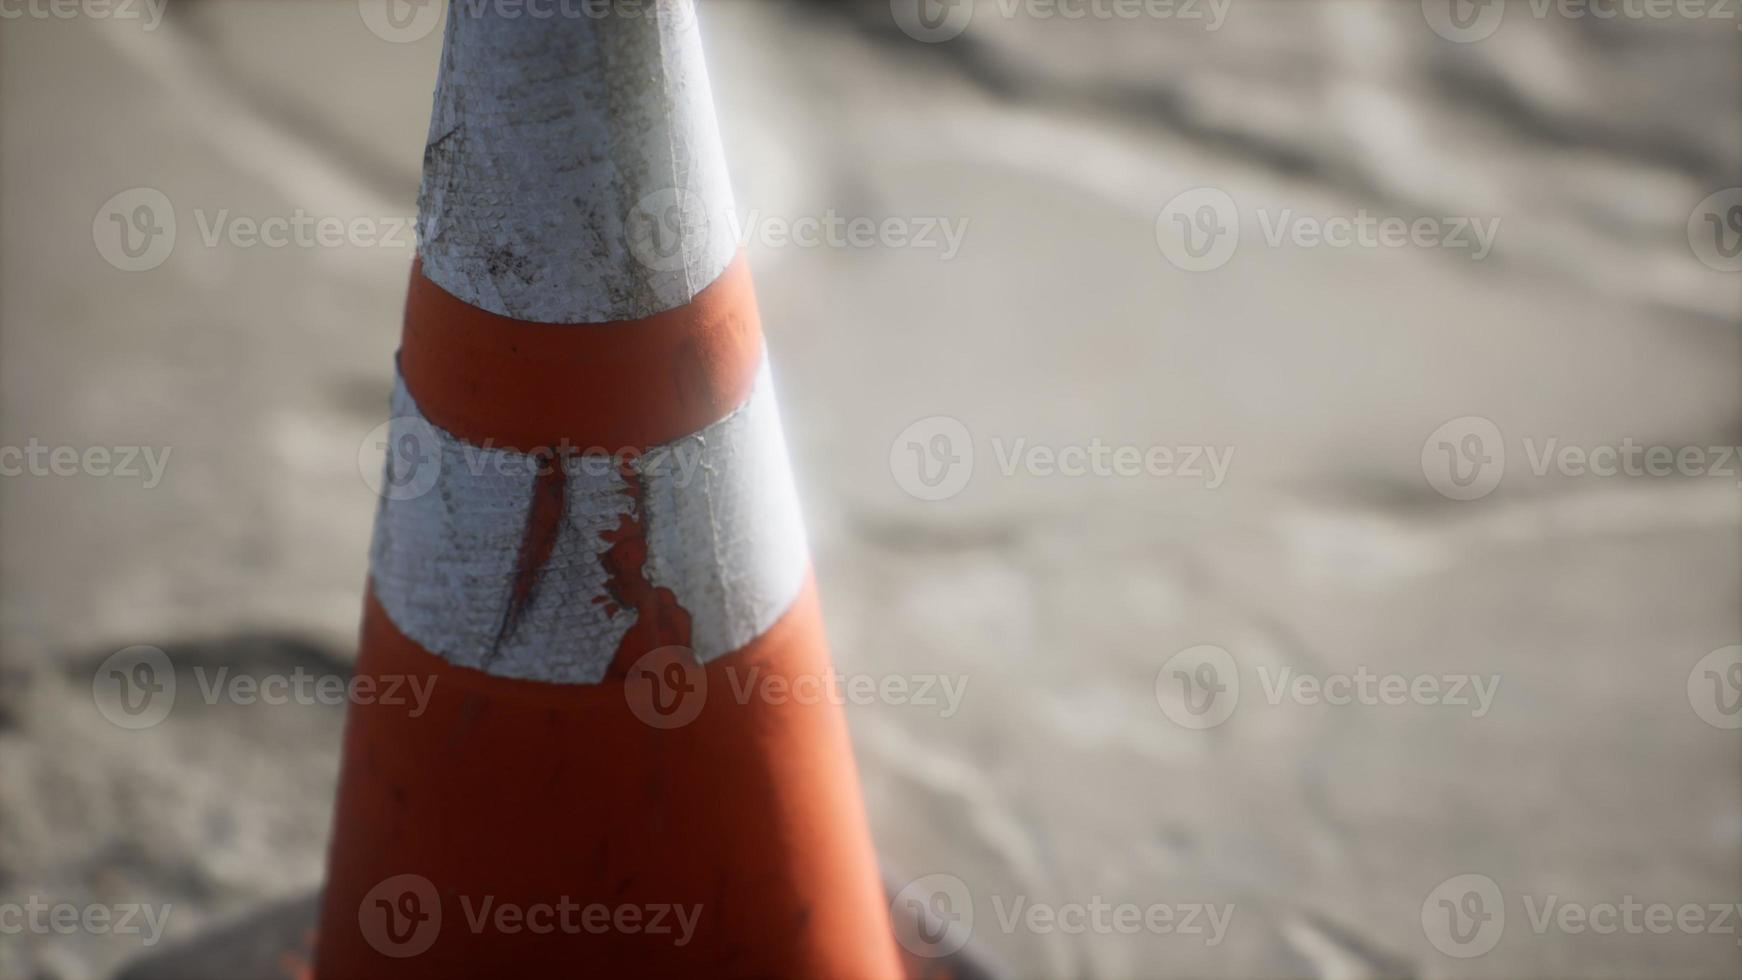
573,172
721,521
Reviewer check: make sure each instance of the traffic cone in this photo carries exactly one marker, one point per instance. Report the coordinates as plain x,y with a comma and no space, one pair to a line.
589,556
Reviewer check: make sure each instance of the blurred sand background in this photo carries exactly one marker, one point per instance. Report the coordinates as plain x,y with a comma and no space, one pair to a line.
1060,321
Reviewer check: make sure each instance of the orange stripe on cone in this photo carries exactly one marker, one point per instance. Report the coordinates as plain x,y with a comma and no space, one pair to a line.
626,384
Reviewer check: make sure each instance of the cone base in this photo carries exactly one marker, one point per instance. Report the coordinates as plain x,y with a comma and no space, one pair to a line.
690,820
274,943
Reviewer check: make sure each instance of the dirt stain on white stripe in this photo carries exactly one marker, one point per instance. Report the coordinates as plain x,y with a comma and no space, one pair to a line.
543,522
660,620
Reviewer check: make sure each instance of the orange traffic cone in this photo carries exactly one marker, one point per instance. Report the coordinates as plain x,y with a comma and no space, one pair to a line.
588,539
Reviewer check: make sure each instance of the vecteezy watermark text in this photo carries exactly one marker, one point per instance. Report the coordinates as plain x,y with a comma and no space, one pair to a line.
120,462
299,229
148,12
1199,687
416,455
1465,458
833,230
135,230
1099,459
1465,916
934,916
1200,229
569,917
667,688
402,917
933,459
34,915
405,21
936,21
1469,21
136,688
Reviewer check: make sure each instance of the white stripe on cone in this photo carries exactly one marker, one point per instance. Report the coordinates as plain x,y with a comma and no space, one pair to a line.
723,532
573,172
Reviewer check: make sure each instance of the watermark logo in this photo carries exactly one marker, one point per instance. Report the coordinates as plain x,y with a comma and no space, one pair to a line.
1464,21
1199,230
405,458
1465,458
401,459
1469,21
932,21
933,459
401,917
400,21
135,688
1198,687
1464,916
1715,688
933,915
1715,231
134,231
673,229
666,687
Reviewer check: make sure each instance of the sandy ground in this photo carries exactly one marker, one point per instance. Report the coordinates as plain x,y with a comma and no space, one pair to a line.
1596,774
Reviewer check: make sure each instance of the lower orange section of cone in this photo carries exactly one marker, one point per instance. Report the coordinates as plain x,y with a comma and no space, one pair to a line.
688,821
